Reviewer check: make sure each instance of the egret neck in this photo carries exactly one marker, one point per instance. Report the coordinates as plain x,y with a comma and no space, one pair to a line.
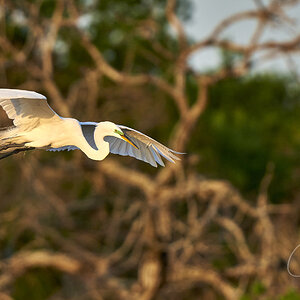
103,146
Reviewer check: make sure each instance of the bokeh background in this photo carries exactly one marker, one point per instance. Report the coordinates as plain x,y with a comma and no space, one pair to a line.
220,224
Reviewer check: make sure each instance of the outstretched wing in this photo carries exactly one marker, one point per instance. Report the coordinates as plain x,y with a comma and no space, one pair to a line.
64,148
148,150
27,109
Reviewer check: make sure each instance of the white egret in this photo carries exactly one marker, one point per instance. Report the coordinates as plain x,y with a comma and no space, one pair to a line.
38,126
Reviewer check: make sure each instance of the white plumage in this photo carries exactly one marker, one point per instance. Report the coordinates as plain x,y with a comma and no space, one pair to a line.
37,126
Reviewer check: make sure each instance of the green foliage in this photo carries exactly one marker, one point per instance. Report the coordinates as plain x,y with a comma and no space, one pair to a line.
249,123
290,295
37,284
257,289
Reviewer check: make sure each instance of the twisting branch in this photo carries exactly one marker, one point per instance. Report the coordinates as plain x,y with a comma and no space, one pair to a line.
119,232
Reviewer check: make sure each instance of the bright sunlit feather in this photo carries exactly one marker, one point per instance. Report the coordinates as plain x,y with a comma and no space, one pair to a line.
37,126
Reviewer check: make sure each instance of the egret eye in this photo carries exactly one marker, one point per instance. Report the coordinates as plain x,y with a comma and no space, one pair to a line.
119,132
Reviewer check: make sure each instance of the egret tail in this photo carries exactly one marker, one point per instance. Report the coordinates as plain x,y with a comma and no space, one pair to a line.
10,142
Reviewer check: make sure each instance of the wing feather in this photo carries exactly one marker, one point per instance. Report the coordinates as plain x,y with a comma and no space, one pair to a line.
69,148
88,130
149,150
26,108
157,157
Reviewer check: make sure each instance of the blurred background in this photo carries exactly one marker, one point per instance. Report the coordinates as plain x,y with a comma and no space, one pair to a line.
219,81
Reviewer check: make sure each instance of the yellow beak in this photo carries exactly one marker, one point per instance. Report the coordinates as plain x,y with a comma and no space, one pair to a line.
128,141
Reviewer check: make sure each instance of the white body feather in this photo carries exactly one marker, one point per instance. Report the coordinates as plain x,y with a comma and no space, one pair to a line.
36,125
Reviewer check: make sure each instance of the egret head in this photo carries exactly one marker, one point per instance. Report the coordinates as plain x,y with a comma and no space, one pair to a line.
120,134
114,130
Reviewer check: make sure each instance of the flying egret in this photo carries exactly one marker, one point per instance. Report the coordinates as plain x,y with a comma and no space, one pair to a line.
38,126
